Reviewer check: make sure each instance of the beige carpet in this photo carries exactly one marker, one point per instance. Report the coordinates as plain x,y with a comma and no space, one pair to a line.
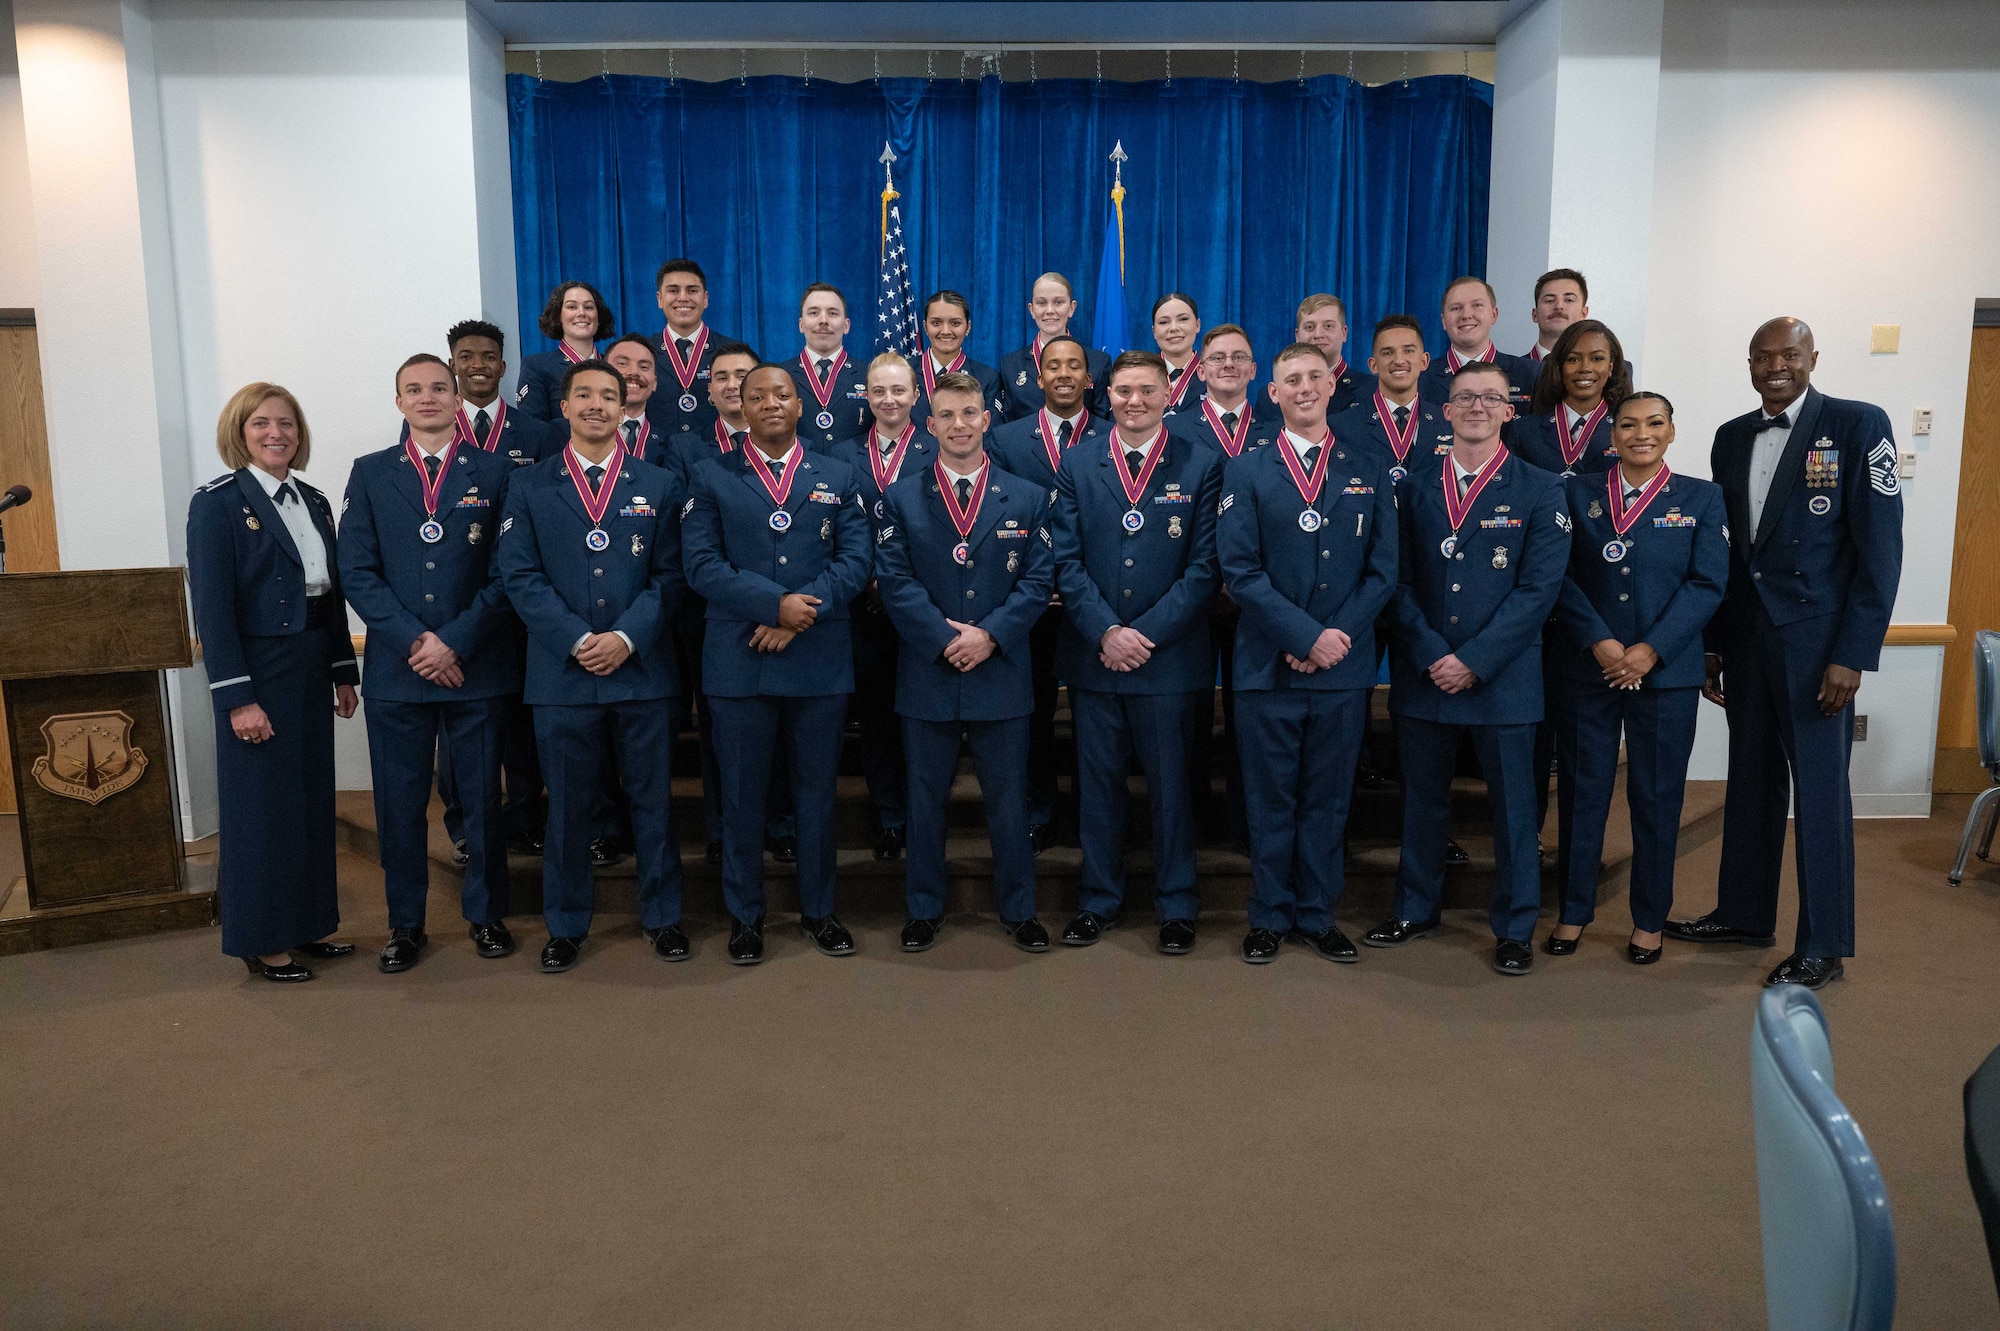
969,1139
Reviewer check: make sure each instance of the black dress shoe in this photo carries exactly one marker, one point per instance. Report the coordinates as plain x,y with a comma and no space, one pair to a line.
559,954
1367,778
714,852
1330,943
785,849
1643,956
1041,836
1395,933
918,935
1085,929
829,936
1511,956
603,852
525,843
1029,935
1454,855
289,973
1260,946
746,942
459,854
1177,937
1560,947
889,843
492,940
323,951
1812,972
402,950
1708,929
669,943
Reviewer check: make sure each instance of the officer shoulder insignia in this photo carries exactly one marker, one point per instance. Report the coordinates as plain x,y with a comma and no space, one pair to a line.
219,482
1562,520
1882,476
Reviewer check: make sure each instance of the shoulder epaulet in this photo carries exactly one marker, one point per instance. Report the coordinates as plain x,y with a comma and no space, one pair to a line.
227,478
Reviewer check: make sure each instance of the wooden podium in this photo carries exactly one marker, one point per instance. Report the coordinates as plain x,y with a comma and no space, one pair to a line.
92,749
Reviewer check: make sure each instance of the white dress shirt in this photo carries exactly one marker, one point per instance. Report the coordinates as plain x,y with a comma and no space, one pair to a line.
1144,450
292,512
1300,444
1767,450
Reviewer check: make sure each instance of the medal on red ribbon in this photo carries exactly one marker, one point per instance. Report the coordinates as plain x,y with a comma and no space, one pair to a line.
1456,509
823,392
1455,362
930,370
1050,430
962,520
1399,443
685,370
1135,486
1309,484
1574,441
432,531
596,539
1177,388
494,432
1232,443
779,487
1622,517
885,469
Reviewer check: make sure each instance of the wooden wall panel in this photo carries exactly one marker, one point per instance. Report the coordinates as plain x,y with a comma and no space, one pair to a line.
1975,591
24,460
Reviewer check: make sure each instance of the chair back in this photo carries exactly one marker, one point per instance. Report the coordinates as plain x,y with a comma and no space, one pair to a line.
1986,683
1829,1251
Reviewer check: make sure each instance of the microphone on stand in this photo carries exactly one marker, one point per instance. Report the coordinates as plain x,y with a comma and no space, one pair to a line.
13,497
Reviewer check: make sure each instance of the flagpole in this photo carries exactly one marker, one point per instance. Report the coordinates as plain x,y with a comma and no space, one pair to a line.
887,159
1118,160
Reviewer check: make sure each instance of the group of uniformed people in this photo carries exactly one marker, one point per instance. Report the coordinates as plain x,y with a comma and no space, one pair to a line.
547,581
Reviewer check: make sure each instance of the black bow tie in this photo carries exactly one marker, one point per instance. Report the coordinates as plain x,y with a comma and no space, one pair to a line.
1781,421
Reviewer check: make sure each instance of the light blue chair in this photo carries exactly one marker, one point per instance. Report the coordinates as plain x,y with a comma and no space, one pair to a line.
1829,1251
1986,684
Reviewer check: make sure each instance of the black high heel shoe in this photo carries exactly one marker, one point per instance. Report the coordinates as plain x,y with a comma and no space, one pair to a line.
1643,956
325,950
289,973
1560,947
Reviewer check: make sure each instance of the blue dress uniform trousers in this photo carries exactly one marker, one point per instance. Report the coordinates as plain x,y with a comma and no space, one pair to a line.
1111,729
1299,749
1659,739
1000,758
401,739
571,740
754,731
1429,752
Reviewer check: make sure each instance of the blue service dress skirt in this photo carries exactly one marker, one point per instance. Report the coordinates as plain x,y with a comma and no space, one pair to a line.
276,879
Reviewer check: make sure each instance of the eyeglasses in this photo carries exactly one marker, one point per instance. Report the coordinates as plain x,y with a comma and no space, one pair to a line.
1490,401
1228,358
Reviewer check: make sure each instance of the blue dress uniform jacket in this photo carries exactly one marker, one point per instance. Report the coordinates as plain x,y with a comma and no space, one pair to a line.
1486,604
918,457
1003,588
1293,584
250,582
1360,427
665,408
538,394
990,388
1193,423
523,440
563,590
685,453
1018,380
1158,580
846,406
1537,440
1349,387
1017,447
1434,383
743,568
1663,591
403,587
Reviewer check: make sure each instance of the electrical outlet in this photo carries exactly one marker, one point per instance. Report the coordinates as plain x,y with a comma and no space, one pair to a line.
1921,423
1860,728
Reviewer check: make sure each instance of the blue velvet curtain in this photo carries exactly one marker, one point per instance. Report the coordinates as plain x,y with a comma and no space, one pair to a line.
1245,195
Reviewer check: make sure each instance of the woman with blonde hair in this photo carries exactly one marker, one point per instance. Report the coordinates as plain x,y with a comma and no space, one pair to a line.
273,627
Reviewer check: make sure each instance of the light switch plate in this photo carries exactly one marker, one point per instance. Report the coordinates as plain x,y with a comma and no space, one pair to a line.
1906,465
1885,340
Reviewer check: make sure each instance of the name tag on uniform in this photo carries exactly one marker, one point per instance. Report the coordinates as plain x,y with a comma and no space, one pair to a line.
1499,522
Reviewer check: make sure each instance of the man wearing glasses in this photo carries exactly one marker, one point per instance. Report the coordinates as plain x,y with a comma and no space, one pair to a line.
1485,540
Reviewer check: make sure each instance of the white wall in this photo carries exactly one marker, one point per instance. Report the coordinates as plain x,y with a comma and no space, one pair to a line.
1841,163
20,288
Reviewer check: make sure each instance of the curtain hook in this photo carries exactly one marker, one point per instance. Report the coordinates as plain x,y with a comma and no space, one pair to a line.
1350,62
1406,69
607,63
1100,64
806,56
1302,68
878,68
538,64
1468,63
1031,64
929,56
670,66
1235,66
1170,66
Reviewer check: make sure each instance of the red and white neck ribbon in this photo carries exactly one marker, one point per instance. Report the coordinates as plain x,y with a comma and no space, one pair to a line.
1339,367
493,431
1232,441
1309,484
433,486
886,469
571,355
1454,362
595,504
1456,509
638,448
685,370
722,439
1399,443
779,487
823,392
930,369
1050,430
1535,353
962,519
1135,486
1622,517
1573,440
1178,388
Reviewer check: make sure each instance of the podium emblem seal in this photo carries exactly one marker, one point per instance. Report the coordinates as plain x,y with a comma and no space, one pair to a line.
90,756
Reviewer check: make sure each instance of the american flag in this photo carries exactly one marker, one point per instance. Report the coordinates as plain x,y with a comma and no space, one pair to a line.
895,307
